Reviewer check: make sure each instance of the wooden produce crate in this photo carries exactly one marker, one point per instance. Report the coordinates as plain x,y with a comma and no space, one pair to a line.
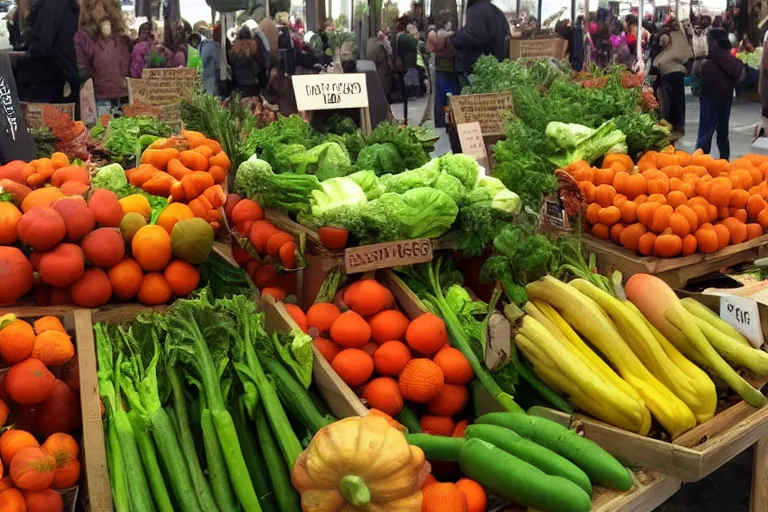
692,456
651,490
95,491
676,272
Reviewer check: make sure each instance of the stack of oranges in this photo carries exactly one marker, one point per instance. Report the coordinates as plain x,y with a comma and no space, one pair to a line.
672,203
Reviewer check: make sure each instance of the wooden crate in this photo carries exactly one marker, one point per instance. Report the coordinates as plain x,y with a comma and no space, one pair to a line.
95,489
651,490
692,456
676,272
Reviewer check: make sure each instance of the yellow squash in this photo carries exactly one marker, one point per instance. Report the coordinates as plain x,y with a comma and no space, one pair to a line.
360,464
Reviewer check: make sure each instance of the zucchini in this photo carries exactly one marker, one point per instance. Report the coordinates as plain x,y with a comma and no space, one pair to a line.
543,458
601,467
440,448
509,477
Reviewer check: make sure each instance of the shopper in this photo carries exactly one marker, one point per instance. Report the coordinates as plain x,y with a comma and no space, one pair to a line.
674,55
141,49
406,48
619,46
720,72
244,60
49,73
209,56
485,33
103,53
761,128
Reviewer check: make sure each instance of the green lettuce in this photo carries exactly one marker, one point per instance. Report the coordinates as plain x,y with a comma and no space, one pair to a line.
369,182
336,192
111,177
380,158
461,166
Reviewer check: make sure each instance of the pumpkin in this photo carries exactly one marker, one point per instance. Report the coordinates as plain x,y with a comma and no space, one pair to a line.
131,223
16,274
62,446
29,382
17,190
78,219
4,411
62,266
67,474
360,463
70,173
42,196
192,240
92,290
126,278
155,290
104,247
41,228
60,412
16,339
172,214
183,277
53,348
105,207
11,500
32,469
136,203
151,248
9,219
14,440
5,483
46,500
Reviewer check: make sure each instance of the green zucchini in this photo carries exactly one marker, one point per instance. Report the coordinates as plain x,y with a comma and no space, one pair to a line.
409,419
440,448
601,467
509,477
532,453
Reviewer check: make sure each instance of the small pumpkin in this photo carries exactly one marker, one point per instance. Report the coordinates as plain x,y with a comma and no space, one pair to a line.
41,228
53,348
46,500
192,240
16,274
11,500
105,207
16,339
32,469
42,196
29,382
172,214
77,217
5,483
60,412
67,474
14,440
151,248
92,290
104,247
136,203
9,219
4,412
360,463
64,450
62,266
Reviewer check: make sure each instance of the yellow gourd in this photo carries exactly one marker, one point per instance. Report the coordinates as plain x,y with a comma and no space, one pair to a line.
136,203
360,464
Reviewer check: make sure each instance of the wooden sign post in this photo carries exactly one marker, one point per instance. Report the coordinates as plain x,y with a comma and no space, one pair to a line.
472,143
330,91
164,88
487,109
387,254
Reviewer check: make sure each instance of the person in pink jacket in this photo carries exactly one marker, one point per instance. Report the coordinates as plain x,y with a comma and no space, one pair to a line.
145,45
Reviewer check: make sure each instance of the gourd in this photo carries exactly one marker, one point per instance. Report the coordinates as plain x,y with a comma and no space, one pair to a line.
360,464
32,469
16,274
62,266
192,240
41,228
78,219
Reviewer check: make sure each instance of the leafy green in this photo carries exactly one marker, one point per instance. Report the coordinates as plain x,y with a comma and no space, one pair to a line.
424,176
295,351
369,182
279,156
643,133
568,136
380,158
482,214
600,142
451,186
289,191
411,151
337,192
422,212
121,136
461,166
327,160
111,177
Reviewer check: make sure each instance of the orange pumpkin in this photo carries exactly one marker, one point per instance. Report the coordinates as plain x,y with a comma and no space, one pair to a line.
53,348
62,446
11,500
62,266
126,278
104,247
105,207
5,483
60,412
32,469
46,500
67,474
151,248
29,382
41,228
14,440
9,219
16,340
78,219
16,274
182,277
42,196
4,411
172,214
92,290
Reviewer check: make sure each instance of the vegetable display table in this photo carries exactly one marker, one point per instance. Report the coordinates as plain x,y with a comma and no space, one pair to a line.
676,272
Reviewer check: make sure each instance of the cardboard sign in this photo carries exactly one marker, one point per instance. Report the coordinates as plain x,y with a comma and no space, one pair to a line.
328,91
164,88
537,48
386,255
15,141
33,112
743,315
472,143
487,109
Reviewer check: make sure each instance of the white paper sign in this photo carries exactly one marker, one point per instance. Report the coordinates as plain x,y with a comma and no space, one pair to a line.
743,315
472,143
327,91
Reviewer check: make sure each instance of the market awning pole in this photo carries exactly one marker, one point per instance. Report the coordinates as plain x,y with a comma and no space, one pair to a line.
639,52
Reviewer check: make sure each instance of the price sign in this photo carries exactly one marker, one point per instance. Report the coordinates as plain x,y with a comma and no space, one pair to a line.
743,314
387,255
472,143
487,109
327,91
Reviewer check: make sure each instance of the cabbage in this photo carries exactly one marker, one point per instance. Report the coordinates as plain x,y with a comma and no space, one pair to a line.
568,136
461,166
111,177
369,182
336,192
380,158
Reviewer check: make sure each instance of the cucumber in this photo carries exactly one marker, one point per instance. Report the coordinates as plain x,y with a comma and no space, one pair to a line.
509,477
525,449
440,448
409,419
601,467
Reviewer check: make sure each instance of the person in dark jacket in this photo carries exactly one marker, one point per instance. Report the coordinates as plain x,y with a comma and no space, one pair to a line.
244,59
761,128
51,61
485,33
720,72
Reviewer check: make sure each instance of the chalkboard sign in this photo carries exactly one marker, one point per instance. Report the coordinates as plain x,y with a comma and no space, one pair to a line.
15,141
328,91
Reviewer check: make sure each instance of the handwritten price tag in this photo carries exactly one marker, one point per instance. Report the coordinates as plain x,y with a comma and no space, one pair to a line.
387,255
472,143
743,315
